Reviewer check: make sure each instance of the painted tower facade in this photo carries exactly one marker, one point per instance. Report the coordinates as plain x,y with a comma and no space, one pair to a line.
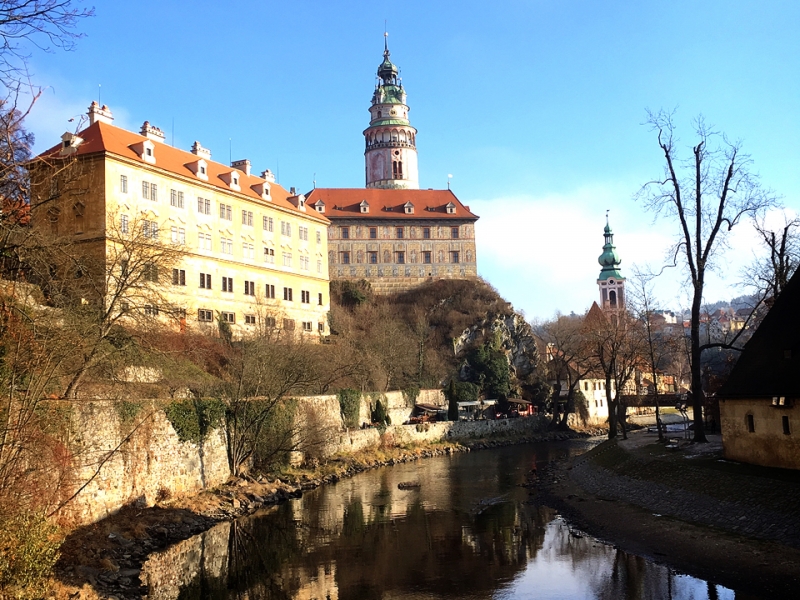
391,150
611,282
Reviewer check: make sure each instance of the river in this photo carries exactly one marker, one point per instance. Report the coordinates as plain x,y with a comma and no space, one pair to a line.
468,531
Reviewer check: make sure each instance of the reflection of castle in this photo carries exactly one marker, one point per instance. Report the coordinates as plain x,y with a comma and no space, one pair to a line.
392,233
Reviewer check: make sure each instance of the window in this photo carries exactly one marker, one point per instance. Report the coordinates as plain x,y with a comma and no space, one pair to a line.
304,263
401,258
123,223
345,233
426,257
267,222
454,256
227,317
286,228
205,315
247,218
269,321
150,272
176,198
319,266
227,284
151,310
345,258
123,184
150,229
751,425
204,241
288,324
248,251
226,212
373,233
149,191
249,319
321,327
205,281
302,233
287,294
454,233
204,206
226,245
785,421
270,293
269,255
308,326
399,232
178,277
372,258
249,288
287,259
305,297
426,233
178,235
319,236
320,299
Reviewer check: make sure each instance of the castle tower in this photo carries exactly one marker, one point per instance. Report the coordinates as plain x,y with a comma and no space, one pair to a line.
611,282
391,151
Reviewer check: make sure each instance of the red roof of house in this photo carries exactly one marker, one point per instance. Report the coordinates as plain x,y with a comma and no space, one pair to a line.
389,203
102,137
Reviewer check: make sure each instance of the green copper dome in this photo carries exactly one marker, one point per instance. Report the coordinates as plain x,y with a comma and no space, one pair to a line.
609,260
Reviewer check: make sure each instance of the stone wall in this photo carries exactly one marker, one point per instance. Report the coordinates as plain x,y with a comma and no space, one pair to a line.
769,444
121,459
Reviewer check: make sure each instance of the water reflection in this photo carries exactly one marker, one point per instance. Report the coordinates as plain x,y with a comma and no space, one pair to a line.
465,532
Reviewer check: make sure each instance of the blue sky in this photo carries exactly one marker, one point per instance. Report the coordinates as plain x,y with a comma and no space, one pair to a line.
535,108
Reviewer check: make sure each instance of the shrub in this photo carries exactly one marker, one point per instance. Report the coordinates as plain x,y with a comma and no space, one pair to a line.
410,395
379,415
349,407
194,419
28,551
127,411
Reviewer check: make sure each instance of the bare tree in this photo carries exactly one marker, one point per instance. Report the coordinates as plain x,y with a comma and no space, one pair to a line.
708,194
783,255
47,24
568,360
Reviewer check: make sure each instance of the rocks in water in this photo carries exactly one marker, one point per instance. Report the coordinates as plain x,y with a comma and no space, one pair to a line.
409,485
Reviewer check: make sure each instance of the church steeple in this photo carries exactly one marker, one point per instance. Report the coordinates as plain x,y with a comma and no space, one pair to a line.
611,282
391,151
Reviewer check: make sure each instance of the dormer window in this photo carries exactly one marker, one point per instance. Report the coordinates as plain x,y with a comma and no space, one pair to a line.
262,189
364,206
232,179
451,208
319,206
199,168
70,143
409,208
146,150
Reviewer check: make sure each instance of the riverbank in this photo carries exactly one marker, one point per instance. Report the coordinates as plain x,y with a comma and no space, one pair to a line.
731,524
104,560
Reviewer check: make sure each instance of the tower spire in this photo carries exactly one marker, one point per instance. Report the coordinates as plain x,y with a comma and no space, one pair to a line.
391,150
611,282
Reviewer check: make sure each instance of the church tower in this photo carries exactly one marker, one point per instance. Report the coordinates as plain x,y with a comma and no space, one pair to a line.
611,282
391,151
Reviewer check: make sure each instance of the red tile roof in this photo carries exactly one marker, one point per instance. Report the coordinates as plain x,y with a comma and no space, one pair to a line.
102,137
388,203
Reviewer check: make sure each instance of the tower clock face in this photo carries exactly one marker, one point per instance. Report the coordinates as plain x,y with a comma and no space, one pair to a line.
393,112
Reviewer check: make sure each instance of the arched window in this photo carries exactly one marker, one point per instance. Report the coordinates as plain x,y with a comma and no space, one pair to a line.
612,298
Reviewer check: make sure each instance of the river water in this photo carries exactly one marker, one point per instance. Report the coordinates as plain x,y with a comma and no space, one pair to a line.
468,531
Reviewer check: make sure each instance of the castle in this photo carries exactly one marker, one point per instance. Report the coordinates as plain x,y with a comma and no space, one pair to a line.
248,252
391,233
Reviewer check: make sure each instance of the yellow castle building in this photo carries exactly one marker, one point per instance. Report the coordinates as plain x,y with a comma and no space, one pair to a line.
245,251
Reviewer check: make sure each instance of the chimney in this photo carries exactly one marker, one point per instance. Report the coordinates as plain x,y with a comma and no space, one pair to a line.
151,132
293,191
198,150
267,174
99,113
243,165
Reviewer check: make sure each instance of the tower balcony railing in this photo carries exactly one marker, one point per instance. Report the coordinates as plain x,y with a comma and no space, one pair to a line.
392,144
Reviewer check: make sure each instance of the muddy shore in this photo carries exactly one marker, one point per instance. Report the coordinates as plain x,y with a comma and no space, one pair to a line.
104,560
730,524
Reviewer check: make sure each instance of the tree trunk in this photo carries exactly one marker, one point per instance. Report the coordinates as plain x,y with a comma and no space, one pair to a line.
697,381
612,410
